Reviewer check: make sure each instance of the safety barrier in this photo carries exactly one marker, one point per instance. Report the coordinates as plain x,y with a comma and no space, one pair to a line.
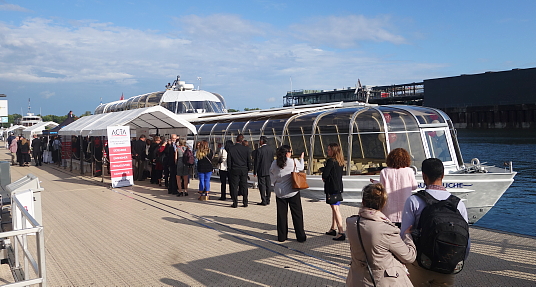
20,257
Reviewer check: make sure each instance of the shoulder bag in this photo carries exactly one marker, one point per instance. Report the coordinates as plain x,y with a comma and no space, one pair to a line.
332,198
299,179
366,259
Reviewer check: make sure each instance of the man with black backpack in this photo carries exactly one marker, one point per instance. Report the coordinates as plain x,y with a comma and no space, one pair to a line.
440,230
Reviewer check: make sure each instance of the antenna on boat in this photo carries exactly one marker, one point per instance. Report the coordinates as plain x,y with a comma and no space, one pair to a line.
28,105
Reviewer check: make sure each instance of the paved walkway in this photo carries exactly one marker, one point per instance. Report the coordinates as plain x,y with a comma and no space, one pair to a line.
141,236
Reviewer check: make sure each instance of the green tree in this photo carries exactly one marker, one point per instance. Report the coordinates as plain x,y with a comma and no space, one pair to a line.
251,109
12,118
87,113
232,110
54,118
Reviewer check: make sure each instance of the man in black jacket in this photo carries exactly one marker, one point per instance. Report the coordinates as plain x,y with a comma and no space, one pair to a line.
139,154
264,156
238,165
36,150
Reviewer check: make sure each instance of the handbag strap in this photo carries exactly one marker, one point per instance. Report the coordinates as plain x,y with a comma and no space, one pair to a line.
366,259
295,167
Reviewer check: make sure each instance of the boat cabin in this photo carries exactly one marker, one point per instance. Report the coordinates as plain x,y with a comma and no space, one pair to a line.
366,134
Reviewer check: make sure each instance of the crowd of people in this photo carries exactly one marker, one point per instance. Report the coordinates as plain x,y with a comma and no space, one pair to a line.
389,237
39,148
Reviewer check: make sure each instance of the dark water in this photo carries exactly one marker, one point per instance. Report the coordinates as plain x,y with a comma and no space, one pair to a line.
516,210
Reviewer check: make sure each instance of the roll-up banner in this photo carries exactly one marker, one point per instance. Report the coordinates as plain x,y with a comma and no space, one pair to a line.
120,156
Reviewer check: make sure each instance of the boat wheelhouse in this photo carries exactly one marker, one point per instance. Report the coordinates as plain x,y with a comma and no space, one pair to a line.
179,98
366,134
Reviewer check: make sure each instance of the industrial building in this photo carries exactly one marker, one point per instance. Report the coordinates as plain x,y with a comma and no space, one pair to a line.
504,99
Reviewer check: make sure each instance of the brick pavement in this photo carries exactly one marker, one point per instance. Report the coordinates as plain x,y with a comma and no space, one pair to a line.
141,236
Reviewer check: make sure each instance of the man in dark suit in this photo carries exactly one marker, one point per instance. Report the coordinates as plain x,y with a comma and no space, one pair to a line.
36,150
238,164
139,154
264,156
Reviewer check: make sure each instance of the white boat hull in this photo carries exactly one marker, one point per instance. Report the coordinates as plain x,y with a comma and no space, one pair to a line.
479,191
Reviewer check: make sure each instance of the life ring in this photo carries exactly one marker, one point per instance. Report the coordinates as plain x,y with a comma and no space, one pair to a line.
475,162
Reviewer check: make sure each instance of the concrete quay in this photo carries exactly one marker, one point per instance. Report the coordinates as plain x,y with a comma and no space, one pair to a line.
142,236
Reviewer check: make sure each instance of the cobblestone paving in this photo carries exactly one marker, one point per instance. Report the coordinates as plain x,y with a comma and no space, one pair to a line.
142,236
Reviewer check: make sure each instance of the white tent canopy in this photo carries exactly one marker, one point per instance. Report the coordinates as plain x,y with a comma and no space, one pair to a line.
14,128
38,128
155,117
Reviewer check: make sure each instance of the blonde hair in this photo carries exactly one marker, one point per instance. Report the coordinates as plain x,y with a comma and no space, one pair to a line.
374,196
203,150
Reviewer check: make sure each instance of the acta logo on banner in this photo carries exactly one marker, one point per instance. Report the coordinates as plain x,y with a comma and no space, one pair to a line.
120,156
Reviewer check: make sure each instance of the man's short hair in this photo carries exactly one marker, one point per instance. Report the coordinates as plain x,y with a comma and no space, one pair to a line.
142,137
239,138
433,168
263,139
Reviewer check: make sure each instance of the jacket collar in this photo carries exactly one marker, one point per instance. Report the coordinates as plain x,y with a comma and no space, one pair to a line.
372,214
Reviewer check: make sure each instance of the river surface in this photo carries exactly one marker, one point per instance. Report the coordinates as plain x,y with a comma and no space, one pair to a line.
516,210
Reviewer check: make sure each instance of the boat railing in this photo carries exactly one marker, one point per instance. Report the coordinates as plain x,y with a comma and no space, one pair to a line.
22,245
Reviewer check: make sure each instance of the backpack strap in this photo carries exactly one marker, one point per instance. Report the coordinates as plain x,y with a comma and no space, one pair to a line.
426,197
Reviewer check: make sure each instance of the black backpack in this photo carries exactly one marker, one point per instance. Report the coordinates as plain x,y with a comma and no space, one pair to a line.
441,236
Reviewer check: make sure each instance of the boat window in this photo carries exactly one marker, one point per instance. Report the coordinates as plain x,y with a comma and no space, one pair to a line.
411,142
171,106
154,99
368,149
141,101
134,103
273,131
205,129
252,133
335,122
121,106
398,120
129,104
456,146
99,109
437,144
216,136
233,130
302,125
425,115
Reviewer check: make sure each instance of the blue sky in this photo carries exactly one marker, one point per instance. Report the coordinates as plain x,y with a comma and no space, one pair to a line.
67,55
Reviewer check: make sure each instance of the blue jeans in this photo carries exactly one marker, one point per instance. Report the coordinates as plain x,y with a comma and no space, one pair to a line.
204,181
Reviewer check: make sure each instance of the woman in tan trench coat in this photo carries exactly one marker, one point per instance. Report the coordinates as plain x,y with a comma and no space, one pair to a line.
385,250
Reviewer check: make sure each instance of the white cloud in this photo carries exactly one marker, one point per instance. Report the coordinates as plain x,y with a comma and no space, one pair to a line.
4,6
47,94
246,62
346,31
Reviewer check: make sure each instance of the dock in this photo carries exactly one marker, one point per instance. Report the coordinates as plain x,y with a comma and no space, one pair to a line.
143,236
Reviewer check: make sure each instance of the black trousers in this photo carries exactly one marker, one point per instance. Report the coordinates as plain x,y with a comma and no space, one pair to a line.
37,158
297,217
265,188
139,165
238,179
172,183
224,175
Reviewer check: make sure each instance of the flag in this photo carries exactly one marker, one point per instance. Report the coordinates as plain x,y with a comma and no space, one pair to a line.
122,97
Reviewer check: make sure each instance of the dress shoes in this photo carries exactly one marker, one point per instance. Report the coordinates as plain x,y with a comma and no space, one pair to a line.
331,232
222,198
234,205
245,205
261,203
341,237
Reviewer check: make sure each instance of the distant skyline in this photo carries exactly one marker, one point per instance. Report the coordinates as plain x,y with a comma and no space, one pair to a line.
67,55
